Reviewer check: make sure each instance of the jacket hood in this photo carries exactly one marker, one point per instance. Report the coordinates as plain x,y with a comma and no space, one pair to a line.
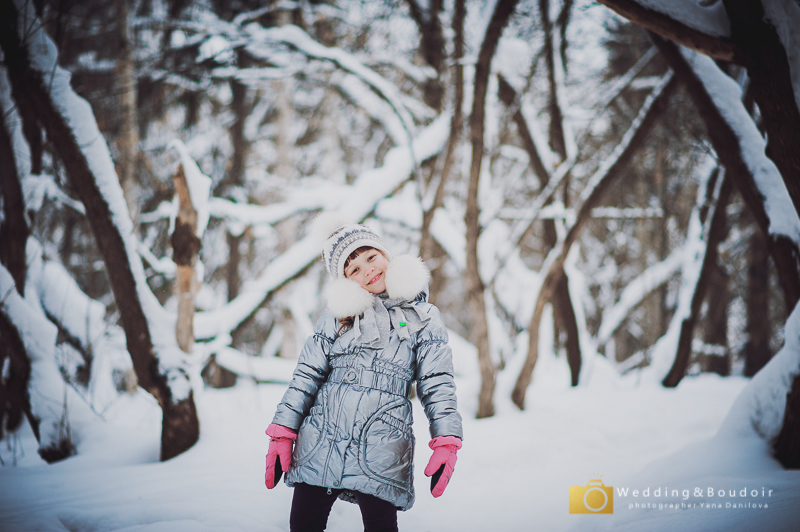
406,277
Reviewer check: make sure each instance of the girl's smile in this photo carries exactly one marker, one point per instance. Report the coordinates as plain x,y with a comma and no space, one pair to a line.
368,269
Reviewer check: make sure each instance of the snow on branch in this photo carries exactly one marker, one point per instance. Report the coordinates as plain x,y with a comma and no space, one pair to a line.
616,88
261,369
302,42
45,385
354,88
266,43
726,95
633,294
369,188
308,195
702,28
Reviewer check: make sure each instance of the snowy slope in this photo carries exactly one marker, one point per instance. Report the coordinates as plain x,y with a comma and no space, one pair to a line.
513,474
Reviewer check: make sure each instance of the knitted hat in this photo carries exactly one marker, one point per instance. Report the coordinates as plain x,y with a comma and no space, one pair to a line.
342,239
406,275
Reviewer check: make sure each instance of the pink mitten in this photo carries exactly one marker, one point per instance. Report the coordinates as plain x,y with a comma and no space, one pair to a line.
442,462
279,455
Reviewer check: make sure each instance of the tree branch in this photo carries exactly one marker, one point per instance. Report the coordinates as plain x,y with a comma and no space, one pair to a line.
669,28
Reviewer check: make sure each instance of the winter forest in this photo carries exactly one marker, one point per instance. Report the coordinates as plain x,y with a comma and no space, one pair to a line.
606,195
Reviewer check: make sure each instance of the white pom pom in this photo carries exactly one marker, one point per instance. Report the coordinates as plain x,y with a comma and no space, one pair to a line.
325,224
347,298
406,277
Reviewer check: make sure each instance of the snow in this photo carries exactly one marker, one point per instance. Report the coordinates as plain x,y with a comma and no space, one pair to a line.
761,406
513,473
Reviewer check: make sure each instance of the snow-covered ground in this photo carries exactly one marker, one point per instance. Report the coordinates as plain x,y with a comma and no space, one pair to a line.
513,474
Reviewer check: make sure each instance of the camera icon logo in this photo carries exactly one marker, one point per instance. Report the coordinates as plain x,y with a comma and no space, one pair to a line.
594,498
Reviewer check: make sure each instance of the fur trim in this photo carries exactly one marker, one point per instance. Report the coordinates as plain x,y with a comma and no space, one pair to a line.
347,298
325,224
406,277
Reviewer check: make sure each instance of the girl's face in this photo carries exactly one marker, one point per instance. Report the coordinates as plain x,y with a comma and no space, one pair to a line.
369,270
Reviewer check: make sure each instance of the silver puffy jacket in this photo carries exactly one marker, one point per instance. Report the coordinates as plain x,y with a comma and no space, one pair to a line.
350,405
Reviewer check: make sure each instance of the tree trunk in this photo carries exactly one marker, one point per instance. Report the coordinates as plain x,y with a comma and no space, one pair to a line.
185,246
714,236
13,227
562,301
716,328
180,427
556,131
128,139
14,400
475,287
428,248
787,444
432,49
510,97
756,350
220,377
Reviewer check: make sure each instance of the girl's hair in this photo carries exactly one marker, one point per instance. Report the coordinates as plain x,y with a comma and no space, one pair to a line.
347,322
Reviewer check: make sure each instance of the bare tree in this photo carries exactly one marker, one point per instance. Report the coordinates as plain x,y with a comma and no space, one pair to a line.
427,244
599,183
554,56
475,286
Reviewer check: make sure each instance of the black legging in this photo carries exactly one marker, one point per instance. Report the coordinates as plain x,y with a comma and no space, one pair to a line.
311,506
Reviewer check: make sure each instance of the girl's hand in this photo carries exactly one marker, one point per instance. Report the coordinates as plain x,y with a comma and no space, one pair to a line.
279,455
442,463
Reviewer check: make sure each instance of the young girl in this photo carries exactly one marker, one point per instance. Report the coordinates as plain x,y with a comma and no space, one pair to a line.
347,411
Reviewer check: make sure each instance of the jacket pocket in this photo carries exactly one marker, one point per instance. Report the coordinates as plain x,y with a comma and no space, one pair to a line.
310,435
387,447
